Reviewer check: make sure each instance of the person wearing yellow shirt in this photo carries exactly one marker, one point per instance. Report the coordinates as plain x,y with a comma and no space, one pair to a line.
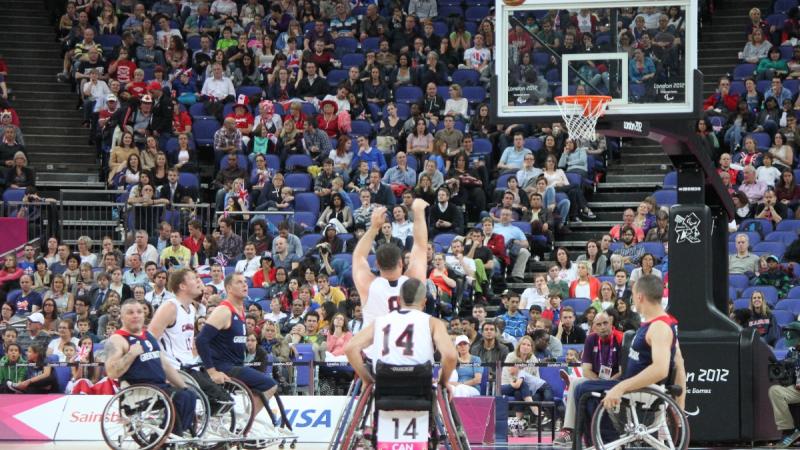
326,292
178,252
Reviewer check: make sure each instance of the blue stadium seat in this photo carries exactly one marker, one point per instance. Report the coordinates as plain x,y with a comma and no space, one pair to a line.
408,94
743,71
786,237
345,45
273,161
770,248
502,181
525,227
794,292
305,219
578,304
189,180
789,304
299,160
476,13
257,294
250,92
763,141
481,146
361,128
769,292
371,44
304,353
352,60
203,130
447,11
466,77
307,201
474,94
198,110
533,144
444,239
666,197
13,195
783,317
243,162
789,225
738,280
308,241
655,248
737,87
336,76
300,182
784,6
553,378
109,42
440,29
776,20
766,225
741,303
308,109
754,237
670,181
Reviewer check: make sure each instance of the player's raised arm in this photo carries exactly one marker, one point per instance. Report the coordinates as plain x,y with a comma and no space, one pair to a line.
362,274
418,260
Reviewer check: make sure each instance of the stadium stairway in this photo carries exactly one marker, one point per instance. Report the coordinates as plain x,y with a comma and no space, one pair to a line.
640,172
56,144
723,38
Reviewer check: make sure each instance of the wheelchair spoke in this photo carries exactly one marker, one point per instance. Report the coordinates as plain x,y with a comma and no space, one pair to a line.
619,442
655,443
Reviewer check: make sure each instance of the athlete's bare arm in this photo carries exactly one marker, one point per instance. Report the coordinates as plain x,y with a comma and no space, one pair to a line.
353,350
362,274
659,337
174,378
162,319
418,259
447,351
120,355
220,319
680,376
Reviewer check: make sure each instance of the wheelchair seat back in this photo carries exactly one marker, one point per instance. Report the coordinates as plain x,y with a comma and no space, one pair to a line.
408,388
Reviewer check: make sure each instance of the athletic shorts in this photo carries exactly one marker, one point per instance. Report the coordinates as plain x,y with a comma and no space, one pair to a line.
252,378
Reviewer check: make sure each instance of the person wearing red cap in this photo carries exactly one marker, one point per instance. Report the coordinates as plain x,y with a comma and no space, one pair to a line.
244,120
161,125
328,121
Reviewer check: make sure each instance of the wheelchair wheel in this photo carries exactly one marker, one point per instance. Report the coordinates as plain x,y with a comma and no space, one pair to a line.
456,438
202,408
234,422
646,418
138,417
358,417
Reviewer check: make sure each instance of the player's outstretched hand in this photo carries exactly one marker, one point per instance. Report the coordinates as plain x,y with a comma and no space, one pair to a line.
378,217
419,204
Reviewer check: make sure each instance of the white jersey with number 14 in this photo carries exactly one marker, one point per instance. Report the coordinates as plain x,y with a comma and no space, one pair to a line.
403,338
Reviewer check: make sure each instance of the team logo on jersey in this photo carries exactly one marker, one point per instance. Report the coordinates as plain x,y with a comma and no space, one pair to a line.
187,327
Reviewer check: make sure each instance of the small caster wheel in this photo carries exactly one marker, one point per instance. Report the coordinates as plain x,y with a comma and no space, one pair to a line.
293,444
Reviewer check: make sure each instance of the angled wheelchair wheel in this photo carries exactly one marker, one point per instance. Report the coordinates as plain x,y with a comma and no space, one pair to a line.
202,408
232,422
138,417
354,429
646,418
456,437
345,417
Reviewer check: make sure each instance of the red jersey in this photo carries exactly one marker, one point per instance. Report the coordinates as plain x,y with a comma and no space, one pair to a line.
137,89
192,245
242,121
125,69
331,127
181,121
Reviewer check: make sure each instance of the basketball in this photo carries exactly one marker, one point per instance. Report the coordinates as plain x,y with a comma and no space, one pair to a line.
513,2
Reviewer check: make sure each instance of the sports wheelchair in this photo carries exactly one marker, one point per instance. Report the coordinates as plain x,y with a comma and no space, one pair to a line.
400,396
646,418
143,416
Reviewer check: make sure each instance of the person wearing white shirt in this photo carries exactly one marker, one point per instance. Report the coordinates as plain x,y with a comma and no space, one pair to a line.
159,294
251,262
537,294
218,86
402,228
275,315
146,252
459,263
767,173
477,57
217,279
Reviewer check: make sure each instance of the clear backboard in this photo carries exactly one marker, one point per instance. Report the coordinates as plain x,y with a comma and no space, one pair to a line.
641,53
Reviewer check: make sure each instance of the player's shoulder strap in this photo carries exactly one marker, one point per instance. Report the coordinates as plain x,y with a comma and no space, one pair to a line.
233,309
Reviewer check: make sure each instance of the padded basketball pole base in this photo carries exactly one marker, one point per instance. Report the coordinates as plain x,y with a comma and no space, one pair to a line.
726,366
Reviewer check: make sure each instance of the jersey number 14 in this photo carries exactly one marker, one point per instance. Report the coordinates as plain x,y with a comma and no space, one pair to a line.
404,341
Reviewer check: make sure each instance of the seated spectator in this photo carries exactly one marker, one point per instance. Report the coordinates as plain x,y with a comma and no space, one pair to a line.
524,383
767,173
751,187
660,230
771,209
400,177
557,179
772,65
515,320
628,217
27,300
756,48
40,377
644,218
371,155
568,332
762,319
774,276
337,211
217,91
468,373
363,214
56,346
20,176
338,337
631,252
13,367
647,262
442,283
782,153
250,262
584,285
444,216
381,193
599,262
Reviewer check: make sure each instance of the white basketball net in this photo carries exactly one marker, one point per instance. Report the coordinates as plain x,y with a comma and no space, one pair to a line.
581,114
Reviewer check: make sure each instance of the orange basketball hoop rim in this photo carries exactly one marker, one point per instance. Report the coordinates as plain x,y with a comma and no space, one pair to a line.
581,112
